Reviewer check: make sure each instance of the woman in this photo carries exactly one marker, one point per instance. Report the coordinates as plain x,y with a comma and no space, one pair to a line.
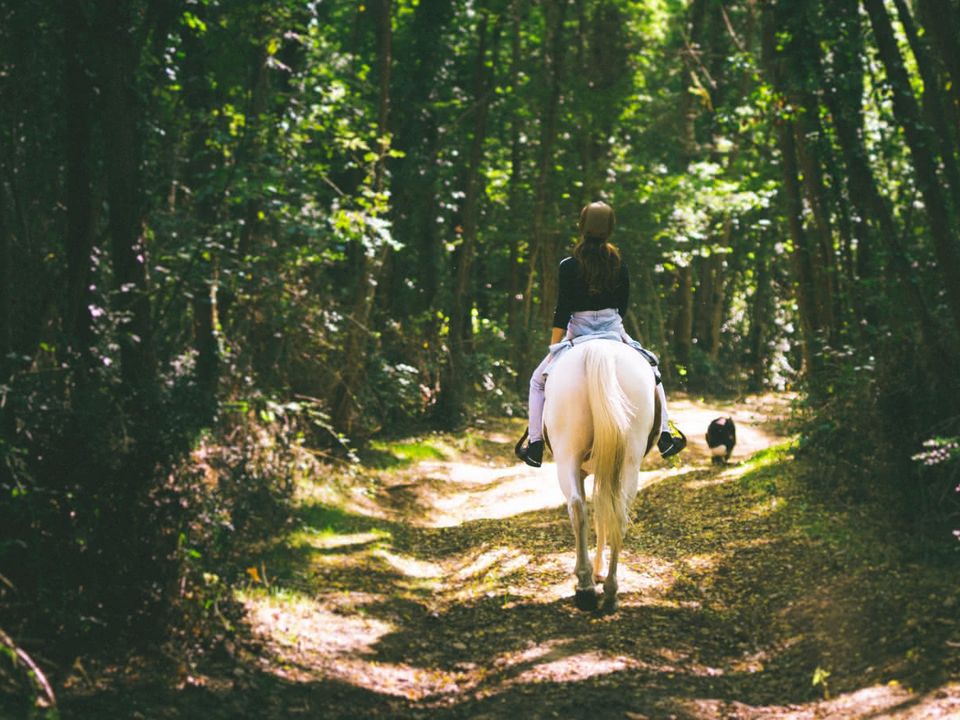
593,293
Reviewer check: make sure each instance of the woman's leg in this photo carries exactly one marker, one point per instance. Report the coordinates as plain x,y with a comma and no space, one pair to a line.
535,400
664,417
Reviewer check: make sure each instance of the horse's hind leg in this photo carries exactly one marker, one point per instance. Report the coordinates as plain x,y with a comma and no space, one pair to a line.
598,557
571,483
610,586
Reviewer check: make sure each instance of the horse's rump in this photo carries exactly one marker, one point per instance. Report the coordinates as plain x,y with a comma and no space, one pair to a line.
602,406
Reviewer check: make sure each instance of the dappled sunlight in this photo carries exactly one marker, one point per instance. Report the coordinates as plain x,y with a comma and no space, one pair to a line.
877,702
408,566
290,620
574,668
502,494
481,564
330,540
453,597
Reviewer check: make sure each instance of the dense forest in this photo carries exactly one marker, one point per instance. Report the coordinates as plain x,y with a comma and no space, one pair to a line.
254,236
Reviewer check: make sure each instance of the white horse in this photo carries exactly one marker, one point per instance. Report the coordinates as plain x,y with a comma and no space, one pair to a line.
601,416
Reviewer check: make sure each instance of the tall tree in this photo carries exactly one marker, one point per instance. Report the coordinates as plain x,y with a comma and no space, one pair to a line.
461,306
78,96
921,143
367,266
121,124
543,246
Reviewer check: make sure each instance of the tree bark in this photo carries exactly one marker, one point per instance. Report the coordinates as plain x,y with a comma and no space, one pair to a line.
796,85
921,142
935,112
367,269
515,320
78,95
121,117
452,399
683,340
941,19
553,52
843,100
760,312
717,297
6,297
415,175
688,103
801,257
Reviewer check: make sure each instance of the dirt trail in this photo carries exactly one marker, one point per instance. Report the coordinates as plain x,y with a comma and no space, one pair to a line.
441,587
445,592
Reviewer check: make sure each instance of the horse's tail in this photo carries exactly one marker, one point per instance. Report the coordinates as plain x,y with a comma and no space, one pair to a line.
612,414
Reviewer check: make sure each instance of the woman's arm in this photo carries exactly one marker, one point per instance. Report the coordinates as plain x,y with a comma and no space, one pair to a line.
561,316
623,292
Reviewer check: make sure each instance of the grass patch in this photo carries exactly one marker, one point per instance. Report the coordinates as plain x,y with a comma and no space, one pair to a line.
384,455
330,520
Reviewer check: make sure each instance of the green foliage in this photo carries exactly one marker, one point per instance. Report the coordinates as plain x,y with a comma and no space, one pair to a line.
240,232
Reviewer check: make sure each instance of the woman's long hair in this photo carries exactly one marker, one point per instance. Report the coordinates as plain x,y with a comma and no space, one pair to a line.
599,258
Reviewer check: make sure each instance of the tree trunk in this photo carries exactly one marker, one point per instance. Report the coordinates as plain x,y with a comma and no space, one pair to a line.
843,99
801,259
452,398
78,94
717,295
941,19
801,53
367,270
920,142
935,112
515,320
688,103
6,297
702,295
553,52
121,117
760,312
683,340
415,175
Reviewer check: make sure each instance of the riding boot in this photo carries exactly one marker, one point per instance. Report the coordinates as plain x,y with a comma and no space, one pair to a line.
671,444
531,453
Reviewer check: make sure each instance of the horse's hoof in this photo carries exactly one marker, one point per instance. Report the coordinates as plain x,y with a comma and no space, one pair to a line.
586,599
598,578
610,604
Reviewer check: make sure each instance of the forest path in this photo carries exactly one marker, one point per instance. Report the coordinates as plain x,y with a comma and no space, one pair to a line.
443,589
435,581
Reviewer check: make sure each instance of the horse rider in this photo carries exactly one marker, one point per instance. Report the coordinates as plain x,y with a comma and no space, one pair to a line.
594,290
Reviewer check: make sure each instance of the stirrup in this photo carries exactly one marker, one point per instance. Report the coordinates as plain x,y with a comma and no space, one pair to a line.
518,448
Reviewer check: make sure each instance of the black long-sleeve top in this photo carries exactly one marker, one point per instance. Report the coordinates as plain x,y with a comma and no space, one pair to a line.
574,296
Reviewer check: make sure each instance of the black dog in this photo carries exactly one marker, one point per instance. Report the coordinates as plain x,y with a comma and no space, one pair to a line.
721,437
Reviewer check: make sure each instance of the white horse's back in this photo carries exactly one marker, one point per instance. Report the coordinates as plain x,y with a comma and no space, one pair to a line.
599,417
630,387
